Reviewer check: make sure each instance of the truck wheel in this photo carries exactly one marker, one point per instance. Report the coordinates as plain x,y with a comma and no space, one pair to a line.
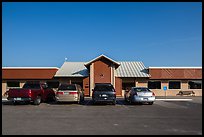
37,101
15,103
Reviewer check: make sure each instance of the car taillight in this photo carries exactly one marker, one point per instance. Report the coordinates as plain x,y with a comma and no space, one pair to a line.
61,93
29,93
153,94
73,93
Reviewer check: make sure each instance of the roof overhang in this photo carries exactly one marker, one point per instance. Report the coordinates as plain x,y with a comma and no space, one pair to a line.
99,57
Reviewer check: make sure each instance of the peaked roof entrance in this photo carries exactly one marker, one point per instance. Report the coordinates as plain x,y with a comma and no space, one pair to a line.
100,57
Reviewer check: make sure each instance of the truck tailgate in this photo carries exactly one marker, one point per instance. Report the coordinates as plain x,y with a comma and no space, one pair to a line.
23,93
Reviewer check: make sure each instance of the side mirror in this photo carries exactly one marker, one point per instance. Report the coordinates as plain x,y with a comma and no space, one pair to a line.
92,89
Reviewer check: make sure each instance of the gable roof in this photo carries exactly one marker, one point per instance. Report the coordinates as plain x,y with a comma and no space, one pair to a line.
72,69
126,69
102,56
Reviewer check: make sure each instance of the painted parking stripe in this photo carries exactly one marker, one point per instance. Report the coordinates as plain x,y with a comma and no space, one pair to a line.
182,99
168,105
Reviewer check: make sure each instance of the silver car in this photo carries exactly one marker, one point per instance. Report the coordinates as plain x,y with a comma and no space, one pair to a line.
70,93
140,95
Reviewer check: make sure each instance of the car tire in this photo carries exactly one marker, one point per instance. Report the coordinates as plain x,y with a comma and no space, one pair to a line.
94,102
130,101
37,101
81,99
114,102
51,98
150,103
15,102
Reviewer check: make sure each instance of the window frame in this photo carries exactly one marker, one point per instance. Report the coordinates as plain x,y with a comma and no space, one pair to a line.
13,87
174,88
155,81
194,80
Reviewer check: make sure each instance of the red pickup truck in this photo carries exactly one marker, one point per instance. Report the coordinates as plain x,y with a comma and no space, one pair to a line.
35,92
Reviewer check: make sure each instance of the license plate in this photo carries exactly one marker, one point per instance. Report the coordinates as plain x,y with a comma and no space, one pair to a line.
145,98
17,98
104,95
66,93
105,98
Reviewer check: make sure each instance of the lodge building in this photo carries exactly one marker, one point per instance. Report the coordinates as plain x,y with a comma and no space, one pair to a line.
102,69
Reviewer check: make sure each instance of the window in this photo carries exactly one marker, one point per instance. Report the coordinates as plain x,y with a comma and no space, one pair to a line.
174,85
141,89
79,83
31,86
154,84
104,87
127,86
53,84
67,87
197,84
13,84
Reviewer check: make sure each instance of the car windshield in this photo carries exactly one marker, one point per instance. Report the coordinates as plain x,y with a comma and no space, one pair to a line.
104,88
141,89
67,87
31,86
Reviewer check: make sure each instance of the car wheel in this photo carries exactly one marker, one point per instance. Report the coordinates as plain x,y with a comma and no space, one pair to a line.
51,98
130,100
37,101
150,103
114,102
94,102
81,100
15,102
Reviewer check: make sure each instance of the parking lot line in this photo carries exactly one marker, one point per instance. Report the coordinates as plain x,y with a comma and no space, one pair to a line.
173,99
168,105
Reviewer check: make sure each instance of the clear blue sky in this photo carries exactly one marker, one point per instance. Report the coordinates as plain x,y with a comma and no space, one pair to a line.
158,34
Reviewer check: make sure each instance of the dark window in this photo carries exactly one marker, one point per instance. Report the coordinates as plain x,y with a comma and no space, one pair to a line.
127,86
103,88
31,86
174,85
197,84
154,84
53,84
13,84
78,83
67,87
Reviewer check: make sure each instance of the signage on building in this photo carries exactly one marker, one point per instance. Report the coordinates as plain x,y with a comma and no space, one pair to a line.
164,88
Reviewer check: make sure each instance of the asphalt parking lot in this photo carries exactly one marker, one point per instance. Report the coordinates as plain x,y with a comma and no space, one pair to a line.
161,118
